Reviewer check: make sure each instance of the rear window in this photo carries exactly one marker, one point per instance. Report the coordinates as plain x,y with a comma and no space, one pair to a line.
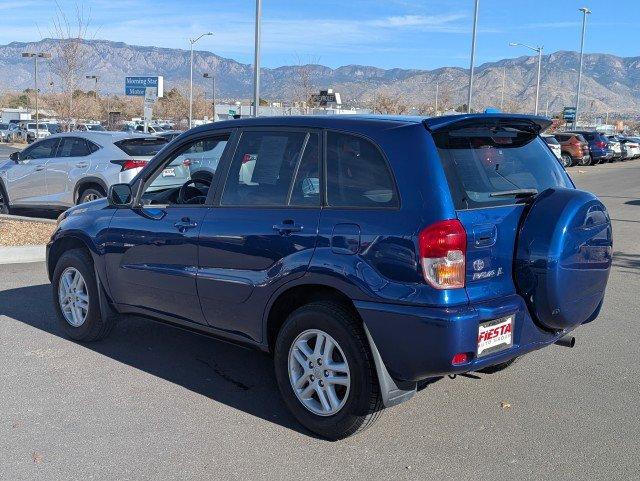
144,147
551,140
479,162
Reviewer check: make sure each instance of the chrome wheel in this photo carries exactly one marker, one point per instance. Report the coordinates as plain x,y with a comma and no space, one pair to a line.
319,372
73,297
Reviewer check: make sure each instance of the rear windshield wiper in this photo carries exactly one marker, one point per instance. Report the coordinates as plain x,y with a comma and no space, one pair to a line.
515,193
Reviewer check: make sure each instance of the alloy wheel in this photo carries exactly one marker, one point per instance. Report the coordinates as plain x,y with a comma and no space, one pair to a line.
90,196
319,372
73,297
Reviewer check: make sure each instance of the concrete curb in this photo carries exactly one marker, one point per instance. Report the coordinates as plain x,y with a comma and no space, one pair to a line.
22,218
22,254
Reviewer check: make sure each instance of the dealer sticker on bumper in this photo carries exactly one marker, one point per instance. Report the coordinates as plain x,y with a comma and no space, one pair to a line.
495,335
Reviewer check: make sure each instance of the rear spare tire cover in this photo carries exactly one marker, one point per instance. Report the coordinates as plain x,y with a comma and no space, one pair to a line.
563,257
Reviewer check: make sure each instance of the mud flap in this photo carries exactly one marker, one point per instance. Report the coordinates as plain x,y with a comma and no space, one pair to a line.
391,393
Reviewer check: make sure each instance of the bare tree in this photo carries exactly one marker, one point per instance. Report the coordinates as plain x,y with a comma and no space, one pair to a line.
387,103
70,60
302,85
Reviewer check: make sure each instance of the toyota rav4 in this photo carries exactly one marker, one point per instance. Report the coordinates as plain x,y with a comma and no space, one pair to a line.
366,254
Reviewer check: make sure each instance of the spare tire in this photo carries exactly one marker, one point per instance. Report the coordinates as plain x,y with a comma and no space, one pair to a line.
563,257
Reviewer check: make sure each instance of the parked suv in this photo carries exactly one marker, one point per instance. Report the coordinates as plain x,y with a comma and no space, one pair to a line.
574,149
367,254
71,168
600,150
29,132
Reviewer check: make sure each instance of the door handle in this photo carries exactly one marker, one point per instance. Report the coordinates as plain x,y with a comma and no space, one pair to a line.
39,168
287,227
185,224
81,164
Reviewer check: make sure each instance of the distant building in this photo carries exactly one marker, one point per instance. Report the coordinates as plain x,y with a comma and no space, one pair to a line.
16,115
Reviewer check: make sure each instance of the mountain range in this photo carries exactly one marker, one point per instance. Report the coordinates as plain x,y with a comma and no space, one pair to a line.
610,83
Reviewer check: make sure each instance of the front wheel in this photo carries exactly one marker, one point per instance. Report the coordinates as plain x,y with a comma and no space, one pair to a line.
325,371
75,294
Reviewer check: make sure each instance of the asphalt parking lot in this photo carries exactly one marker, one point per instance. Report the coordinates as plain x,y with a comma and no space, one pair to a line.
153,402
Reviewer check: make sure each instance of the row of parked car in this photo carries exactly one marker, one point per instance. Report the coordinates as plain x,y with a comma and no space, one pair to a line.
28,131
583,147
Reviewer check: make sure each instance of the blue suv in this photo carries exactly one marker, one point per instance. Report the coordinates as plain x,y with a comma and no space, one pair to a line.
368,255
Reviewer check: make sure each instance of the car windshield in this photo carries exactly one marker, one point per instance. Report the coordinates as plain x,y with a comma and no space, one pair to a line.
141,147
482,164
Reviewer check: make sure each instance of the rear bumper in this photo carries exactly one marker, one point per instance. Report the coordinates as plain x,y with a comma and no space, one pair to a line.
416,343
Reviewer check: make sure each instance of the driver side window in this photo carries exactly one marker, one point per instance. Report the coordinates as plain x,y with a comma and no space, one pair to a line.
187,175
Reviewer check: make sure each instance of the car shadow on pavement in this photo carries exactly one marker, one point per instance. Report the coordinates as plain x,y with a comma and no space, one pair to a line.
624,260
238,377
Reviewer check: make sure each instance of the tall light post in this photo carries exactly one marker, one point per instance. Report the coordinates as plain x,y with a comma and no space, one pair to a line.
538,49
192,41
256,60
473,55
437,88
35,57
504,79
95,78
213,92
585,11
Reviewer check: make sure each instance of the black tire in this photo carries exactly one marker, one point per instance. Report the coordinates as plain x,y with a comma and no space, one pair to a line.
4,202
363,405
585,161
566,160
89,194
94,326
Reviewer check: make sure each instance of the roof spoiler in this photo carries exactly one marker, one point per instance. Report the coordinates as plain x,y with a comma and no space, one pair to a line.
450,122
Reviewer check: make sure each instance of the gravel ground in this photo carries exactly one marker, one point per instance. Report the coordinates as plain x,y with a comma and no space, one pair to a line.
21,233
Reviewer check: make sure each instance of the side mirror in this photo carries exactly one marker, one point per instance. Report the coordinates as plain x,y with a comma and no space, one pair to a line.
15,156
120,195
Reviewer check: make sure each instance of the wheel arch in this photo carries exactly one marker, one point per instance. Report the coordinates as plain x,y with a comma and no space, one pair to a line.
87,182
61,245
291,298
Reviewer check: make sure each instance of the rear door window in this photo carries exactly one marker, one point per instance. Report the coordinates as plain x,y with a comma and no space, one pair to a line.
479,162
73,147
141,147
357,174
263,168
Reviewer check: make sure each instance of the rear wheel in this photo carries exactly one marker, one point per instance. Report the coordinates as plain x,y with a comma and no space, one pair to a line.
76,300
584,161
89,194
325,371
566,160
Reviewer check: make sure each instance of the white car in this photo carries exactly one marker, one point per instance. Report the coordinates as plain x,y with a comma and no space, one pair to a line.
632,147
29,133
554,145
75,167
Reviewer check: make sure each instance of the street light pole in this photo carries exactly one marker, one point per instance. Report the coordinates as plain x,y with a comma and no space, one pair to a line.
437,86
192,41
585,11
35,57
538,49
213,92
256,60
504,78
473,55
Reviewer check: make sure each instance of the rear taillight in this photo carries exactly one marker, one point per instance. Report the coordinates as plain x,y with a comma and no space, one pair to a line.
129,164
601,144
442,249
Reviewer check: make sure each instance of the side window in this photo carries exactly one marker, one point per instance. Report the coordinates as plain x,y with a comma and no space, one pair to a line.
73,147
42,150
306,186
263,168
92,147
204,155
173,184
357,174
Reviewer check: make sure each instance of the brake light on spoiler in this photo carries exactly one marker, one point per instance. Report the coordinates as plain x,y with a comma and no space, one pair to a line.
442,248
129,164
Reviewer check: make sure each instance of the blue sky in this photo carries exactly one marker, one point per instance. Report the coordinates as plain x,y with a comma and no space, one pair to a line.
389,33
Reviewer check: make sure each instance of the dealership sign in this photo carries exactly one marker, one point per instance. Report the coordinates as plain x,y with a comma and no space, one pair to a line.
137,86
